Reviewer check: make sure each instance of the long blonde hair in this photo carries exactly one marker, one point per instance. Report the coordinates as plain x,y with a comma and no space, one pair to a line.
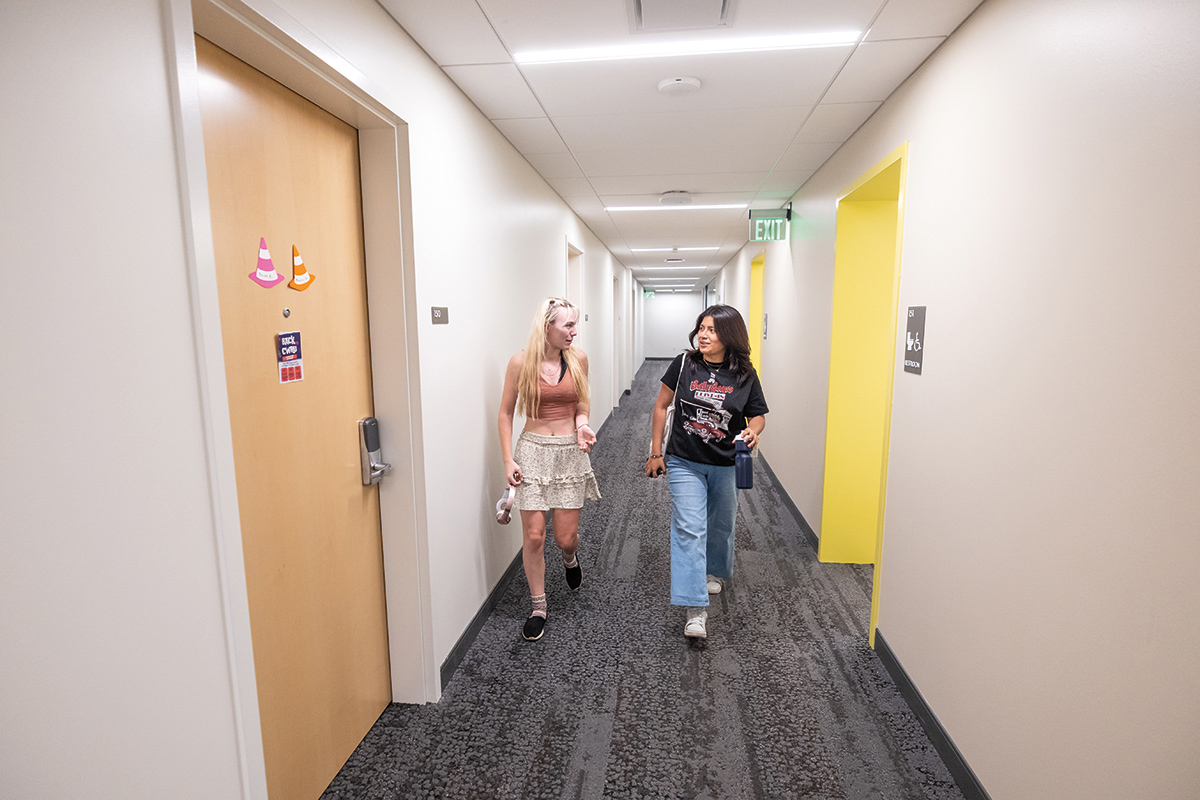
529,385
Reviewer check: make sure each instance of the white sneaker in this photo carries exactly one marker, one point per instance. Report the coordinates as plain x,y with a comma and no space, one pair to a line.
715,584
694,628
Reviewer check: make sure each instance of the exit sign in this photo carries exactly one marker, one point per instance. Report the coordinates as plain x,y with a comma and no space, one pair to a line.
769,225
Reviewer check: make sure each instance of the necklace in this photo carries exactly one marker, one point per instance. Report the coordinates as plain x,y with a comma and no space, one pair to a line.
712,369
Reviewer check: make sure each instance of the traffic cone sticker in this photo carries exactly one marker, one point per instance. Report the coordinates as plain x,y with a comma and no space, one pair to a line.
265,275
301,278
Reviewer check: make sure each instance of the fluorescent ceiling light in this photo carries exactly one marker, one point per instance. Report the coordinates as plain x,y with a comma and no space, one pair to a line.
698,47
668,249
692,268
673,208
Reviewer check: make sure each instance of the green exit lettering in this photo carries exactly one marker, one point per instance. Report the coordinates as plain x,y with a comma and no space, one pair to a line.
766,230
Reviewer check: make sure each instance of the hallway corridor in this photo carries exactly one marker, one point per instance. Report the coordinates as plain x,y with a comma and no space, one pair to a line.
784,700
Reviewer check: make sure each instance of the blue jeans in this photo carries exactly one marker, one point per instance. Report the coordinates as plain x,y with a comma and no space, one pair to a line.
703,508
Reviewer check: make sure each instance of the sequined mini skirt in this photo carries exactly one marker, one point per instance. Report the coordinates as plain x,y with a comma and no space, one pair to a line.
555,473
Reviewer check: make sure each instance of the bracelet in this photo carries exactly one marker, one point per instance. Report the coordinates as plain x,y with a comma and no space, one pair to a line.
584,425
652,455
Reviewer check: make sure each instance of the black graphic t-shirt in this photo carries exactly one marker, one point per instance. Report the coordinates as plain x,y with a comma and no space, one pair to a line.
711,408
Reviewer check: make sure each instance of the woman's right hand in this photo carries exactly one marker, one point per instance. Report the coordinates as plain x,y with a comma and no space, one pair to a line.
512,473
655,466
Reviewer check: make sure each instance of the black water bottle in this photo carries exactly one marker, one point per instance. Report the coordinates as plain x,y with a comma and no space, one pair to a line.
743,465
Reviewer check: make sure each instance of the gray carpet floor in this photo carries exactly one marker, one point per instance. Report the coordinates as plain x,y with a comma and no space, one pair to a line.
784,700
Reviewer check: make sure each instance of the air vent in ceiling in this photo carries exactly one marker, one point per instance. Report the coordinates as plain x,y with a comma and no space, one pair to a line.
650,16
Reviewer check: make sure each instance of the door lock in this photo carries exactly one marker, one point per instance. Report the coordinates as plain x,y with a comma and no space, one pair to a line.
373,466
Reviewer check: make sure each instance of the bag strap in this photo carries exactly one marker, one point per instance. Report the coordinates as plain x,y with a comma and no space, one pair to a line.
679,377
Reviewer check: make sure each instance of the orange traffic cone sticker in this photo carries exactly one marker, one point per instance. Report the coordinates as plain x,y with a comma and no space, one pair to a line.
265,275
301,278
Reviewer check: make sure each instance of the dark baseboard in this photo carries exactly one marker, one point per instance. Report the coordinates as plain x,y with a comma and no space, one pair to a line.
459,651
657,358
964,776
809,533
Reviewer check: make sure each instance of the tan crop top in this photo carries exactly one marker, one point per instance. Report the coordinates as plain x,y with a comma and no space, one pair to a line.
558,401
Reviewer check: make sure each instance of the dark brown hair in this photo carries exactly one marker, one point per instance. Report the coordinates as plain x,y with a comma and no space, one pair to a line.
731,330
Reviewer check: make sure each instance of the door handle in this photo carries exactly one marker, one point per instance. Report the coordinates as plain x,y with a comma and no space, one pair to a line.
373,465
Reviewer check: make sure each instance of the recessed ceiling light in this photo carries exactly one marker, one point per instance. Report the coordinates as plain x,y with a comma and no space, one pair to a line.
675,197
668,249
698,47
678,87
674,208
674,260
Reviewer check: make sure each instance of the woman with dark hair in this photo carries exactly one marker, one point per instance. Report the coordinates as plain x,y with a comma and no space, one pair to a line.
718,400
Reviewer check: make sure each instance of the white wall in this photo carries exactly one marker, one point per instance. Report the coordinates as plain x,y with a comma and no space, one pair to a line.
667,320
491,279
114,672
1040,531
113,626
734,277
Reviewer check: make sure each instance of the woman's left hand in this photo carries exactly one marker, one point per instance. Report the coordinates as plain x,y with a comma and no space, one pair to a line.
749,437
585,437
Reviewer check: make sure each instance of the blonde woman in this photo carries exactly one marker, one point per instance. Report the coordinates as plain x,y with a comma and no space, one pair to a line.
547,382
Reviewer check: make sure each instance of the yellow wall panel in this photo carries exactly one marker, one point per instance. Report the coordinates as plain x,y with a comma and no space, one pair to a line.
862,356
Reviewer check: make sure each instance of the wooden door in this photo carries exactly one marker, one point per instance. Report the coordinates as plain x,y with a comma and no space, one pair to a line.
282,170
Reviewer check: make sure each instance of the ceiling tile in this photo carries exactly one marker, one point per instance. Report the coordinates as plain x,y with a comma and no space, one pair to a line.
877,68
788,181
498,90
908,19
684,225
555,165
587,205
757,17
729,81
571,187
803,155
698,161
757,127
532,135
450,31
692,182
554,24
834,122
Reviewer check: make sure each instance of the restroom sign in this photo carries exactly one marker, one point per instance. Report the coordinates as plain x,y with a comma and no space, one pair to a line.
287,349
914,340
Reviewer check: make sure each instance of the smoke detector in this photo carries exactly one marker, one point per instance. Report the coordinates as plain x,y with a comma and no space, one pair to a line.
675,197
678,87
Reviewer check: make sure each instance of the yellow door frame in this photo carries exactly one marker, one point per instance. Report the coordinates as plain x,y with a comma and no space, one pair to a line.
870,226
755,323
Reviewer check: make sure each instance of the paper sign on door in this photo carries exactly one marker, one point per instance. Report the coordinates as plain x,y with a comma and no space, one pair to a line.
291,365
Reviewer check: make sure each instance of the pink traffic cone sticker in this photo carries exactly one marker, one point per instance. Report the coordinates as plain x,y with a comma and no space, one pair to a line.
265,275
301,278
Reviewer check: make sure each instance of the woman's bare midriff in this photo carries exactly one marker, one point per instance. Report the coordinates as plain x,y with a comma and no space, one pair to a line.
551,427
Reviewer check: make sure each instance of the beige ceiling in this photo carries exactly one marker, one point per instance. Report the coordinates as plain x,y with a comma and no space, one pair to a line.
602,134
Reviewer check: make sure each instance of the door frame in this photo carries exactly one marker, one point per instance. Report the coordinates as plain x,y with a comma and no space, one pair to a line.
754,325
272,41
867,188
